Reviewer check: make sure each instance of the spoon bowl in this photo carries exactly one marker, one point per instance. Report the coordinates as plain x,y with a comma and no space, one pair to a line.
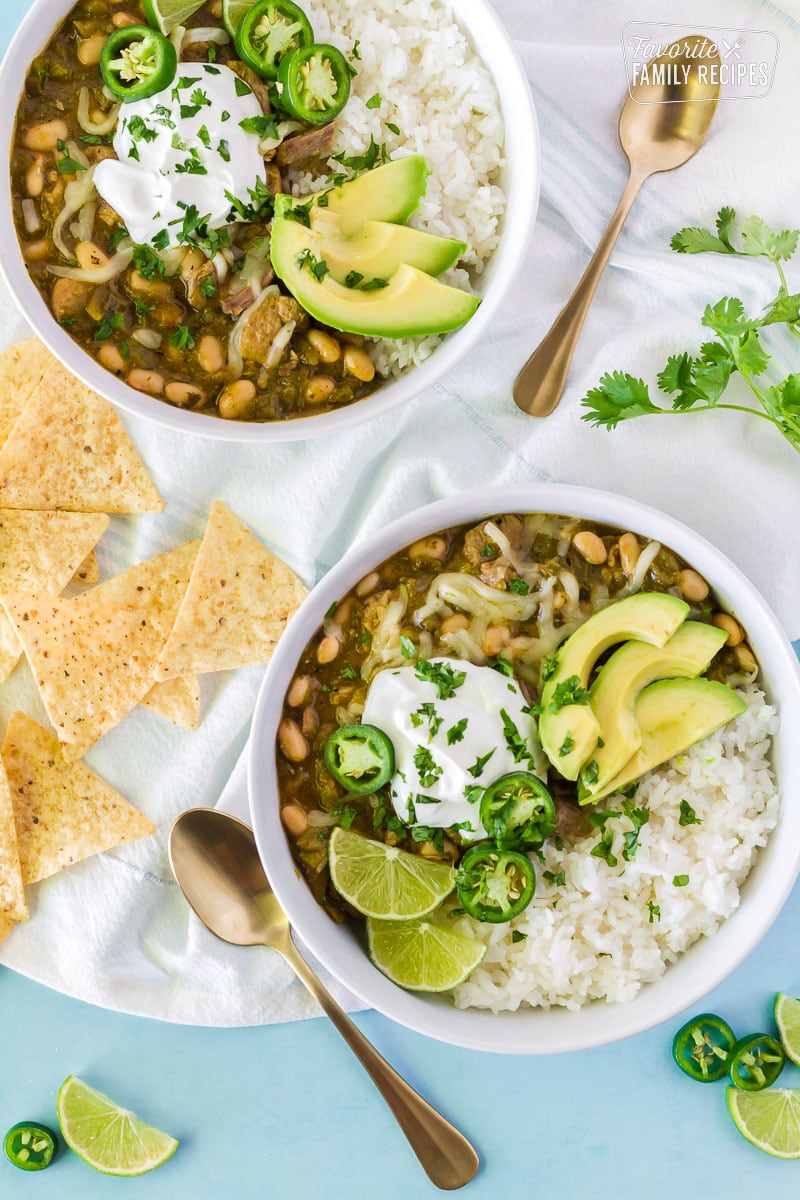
215,861
662,125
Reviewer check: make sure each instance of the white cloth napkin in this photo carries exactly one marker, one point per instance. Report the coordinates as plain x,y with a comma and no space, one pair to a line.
114,930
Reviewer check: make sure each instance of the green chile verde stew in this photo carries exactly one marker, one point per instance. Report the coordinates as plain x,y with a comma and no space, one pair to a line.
500,598
191,302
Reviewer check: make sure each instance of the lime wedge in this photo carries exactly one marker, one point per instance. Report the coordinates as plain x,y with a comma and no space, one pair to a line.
107,1137
232,13
167,15
422,956
769,1119
382,881
787,1018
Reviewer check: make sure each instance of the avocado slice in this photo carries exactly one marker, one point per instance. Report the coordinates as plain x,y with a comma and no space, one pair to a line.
630,669
387,193
411,304
568,730
673,715
373,249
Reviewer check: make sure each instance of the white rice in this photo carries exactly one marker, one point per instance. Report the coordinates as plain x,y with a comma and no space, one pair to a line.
596,938
435,88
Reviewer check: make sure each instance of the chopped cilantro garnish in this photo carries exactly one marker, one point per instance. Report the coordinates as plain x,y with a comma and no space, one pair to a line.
204,136
456,732
688,815
140,130
347,814
353,279
569,691
225,116
374,101
116,237
445,678
224,151
428,769
519,586
208,287
638,818
654,911
473,793
515,741
558,878
390,125
182,338
107,326
476,770
96,139
241,87
567,746
549,668
680,880
317,266
348,672
265,127
517,935
147,263
66,165
161,240
502,665
604,848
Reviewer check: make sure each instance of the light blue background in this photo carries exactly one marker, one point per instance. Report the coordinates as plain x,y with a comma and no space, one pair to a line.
286,1112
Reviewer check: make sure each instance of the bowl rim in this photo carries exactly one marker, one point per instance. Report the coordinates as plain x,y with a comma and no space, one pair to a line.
522,186
535,1031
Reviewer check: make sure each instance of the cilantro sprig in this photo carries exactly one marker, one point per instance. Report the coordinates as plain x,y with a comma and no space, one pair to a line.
696,382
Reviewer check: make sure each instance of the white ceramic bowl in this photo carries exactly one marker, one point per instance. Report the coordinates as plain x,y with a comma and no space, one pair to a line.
520,180
532,1031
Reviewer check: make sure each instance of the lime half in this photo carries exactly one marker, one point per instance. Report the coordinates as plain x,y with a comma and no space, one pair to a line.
769,1119
107,1137
787,1018
232,13
422,956
167,15
382,881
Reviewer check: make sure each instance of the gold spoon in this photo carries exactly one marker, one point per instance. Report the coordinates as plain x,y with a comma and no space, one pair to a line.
215,861
661,126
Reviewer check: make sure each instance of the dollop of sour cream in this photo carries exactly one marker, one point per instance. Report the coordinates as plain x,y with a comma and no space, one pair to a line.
456,728
184,148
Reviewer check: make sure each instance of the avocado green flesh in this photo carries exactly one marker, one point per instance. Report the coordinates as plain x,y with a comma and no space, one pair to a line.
375,249
412,303
650,617
673,715
631,669
387,193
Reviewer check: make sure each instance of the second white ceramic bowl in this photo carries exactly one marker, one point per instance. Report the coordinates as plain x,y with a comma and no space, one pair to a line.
534,1031
520,180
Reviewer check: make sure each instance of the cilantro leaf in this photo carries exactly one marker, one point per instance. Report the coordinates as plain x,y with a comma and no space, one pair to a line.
617,397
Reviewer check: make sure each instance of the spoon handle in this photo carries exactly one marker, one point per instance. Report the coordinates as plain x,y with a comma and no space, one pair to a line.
541,381
446,1156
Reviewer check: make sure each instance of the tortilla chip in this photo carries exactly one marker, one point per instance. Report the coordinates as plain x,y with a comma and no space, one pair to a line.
177,700
64,812
161,582
92,661
10,649
236,606
21,370
12,897
6,925
69,450
88,571
40,551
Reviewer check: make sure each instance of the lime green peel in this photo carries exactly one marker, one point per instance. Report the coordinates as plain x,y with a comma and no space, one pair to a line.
109,1138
